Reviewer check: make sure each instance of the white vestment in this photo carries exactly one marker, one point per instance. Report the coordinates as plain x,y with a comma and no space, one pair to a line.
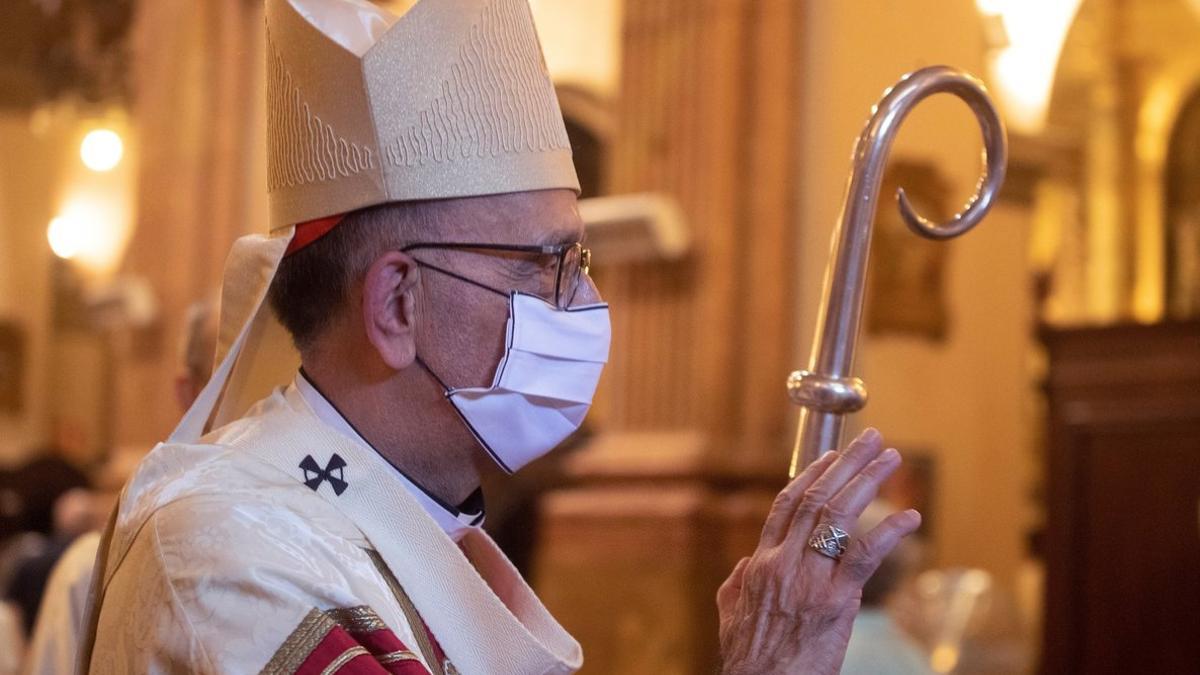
52,649
244,552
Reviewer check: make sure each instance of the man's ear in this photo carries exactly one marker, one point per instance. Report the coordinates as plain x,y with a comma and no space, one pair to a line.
389,308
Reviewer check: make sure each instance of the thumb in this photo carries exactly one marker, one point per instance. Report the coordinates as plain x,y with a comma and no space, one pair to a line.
729,592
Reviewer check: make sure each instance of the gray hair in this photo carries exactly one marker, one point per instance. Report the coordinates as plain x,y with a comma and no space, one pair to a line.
314,283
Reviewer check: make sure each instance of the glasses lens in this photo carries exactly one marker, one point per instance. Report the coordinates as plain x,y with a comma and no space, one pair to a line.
568,276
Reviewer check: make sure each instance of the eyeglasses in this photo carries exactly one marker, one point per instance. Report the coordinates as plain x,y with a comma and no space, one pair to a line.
572,262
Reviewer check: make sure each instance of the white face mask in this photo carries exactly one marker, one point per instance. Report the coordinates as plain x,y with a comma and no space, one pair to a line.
544,384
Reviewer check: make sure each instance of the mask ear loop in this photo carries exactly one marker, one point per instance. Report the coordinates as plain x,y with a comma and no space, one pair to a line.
421,362
466,422
448,390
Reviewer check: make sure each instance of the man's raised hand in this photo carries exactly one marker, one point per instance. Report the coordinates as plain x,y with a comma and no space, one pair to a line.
789,607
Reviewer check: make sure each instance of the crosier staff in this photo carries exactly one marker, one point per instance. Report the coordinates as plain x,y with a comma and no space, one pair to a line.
827,390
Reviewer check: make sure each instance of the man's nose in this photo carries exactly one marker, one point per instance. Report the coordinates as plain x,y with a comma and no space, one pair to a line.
586,293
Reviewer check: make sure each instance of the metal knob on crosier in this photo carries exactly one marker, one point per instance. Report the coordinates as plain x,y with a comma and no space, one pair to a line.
826,390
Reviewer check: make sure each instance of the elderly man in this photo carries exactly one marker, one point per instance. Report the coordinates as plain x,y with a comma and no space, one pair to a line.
52,646
427,262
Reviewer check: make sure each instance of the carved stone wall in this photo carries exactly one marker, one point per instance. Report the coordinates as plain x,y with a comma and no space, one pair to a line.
706,114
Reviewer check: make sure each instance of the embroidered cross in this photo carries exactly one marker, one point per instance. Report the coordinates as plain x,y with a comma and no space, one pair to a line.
314,475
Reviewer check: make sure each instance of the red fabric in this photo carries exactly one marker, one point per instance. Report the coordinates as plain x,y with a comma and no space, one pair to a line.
308,232
329,649
380,641
377,643
438,653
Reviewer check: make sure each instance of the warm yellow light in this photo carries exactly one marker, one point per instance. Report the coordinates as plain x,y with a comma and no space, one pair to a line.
990,7
944,658
1024,67
67,236
581,40
86,232
101,150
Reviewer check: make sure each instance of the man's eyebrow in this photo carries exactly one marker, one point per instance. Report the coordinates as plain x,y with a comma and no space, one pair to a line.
559,236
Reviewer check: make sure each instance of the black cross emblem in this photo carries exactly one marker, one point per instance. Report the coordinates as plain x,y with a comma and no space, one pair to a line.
314,474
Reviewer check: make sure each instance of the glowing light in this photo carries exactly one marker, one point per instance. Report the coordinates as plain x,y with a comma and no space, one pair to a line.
87,232
68,236
1024,67
581,40
101,150
943,659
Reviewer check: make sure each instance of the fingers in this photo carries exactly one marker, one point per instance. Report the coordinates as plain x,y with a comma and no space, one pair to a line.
729,591
865,553
850,502
856,457
784,508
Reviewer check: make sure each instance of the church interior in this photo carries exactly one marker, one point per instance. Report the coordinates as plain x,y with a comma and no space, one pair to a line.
1040,374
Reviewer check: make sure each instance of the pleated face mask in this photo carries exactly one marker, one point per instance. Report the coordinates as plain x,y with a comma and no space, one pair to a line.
544,384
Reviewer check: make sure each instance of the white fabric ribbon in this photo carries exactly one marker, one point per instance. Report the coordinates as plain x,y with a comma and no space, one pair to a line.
354,24
246,326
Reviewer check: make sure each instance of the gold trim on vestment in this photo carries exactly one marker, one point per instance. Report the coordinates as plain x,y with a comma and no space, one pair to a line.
361,619
396,657
344,658
300,644
315,626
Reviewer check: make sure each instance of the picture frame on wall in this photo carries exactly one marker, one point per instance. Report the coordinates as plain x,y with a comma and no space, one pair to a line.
906,288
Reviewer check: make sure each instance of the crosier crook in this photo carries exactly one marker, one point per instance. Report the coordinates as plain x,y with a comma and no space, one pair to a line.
826,390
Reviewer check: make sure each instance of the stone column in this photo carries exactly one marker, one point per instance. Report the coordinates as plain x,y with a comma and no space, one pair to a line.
692,432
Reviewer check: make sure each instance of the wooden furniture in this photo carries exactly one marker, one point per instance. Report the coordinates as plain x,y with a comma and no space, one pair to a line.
1123,510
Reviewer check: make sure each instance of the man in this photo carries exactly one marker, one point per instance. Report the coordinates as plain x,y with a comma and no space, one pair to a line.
427,262
196,351
45,496
52,646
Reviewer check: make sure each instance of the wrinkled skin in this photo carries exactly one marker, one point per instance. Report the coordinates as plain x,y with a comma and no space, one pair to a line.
788,608
365,362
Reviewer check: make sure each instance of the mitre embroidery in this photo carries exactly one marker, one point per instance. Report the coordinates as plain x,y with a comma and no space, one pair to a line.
305,149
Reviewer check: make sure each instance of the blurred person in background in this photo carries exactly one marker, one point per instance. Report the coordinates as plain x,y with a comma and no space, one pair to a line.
44,503
29,491
878,645
52,647
196,351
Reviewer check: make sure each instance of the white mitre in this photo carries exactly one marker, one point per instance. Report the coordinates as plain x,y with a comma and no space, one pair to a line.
452,99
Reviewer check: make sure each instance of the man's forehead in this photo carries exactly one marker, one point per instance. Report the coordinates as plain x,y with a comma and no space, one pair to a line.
541,217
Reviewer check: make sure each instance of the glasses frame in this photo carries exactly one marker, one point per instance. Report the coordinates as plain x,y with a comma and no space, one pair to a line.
560,252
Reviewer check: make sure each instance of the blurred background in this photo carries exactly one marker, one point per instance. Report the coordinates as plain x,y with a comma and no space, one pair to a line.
1041,374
